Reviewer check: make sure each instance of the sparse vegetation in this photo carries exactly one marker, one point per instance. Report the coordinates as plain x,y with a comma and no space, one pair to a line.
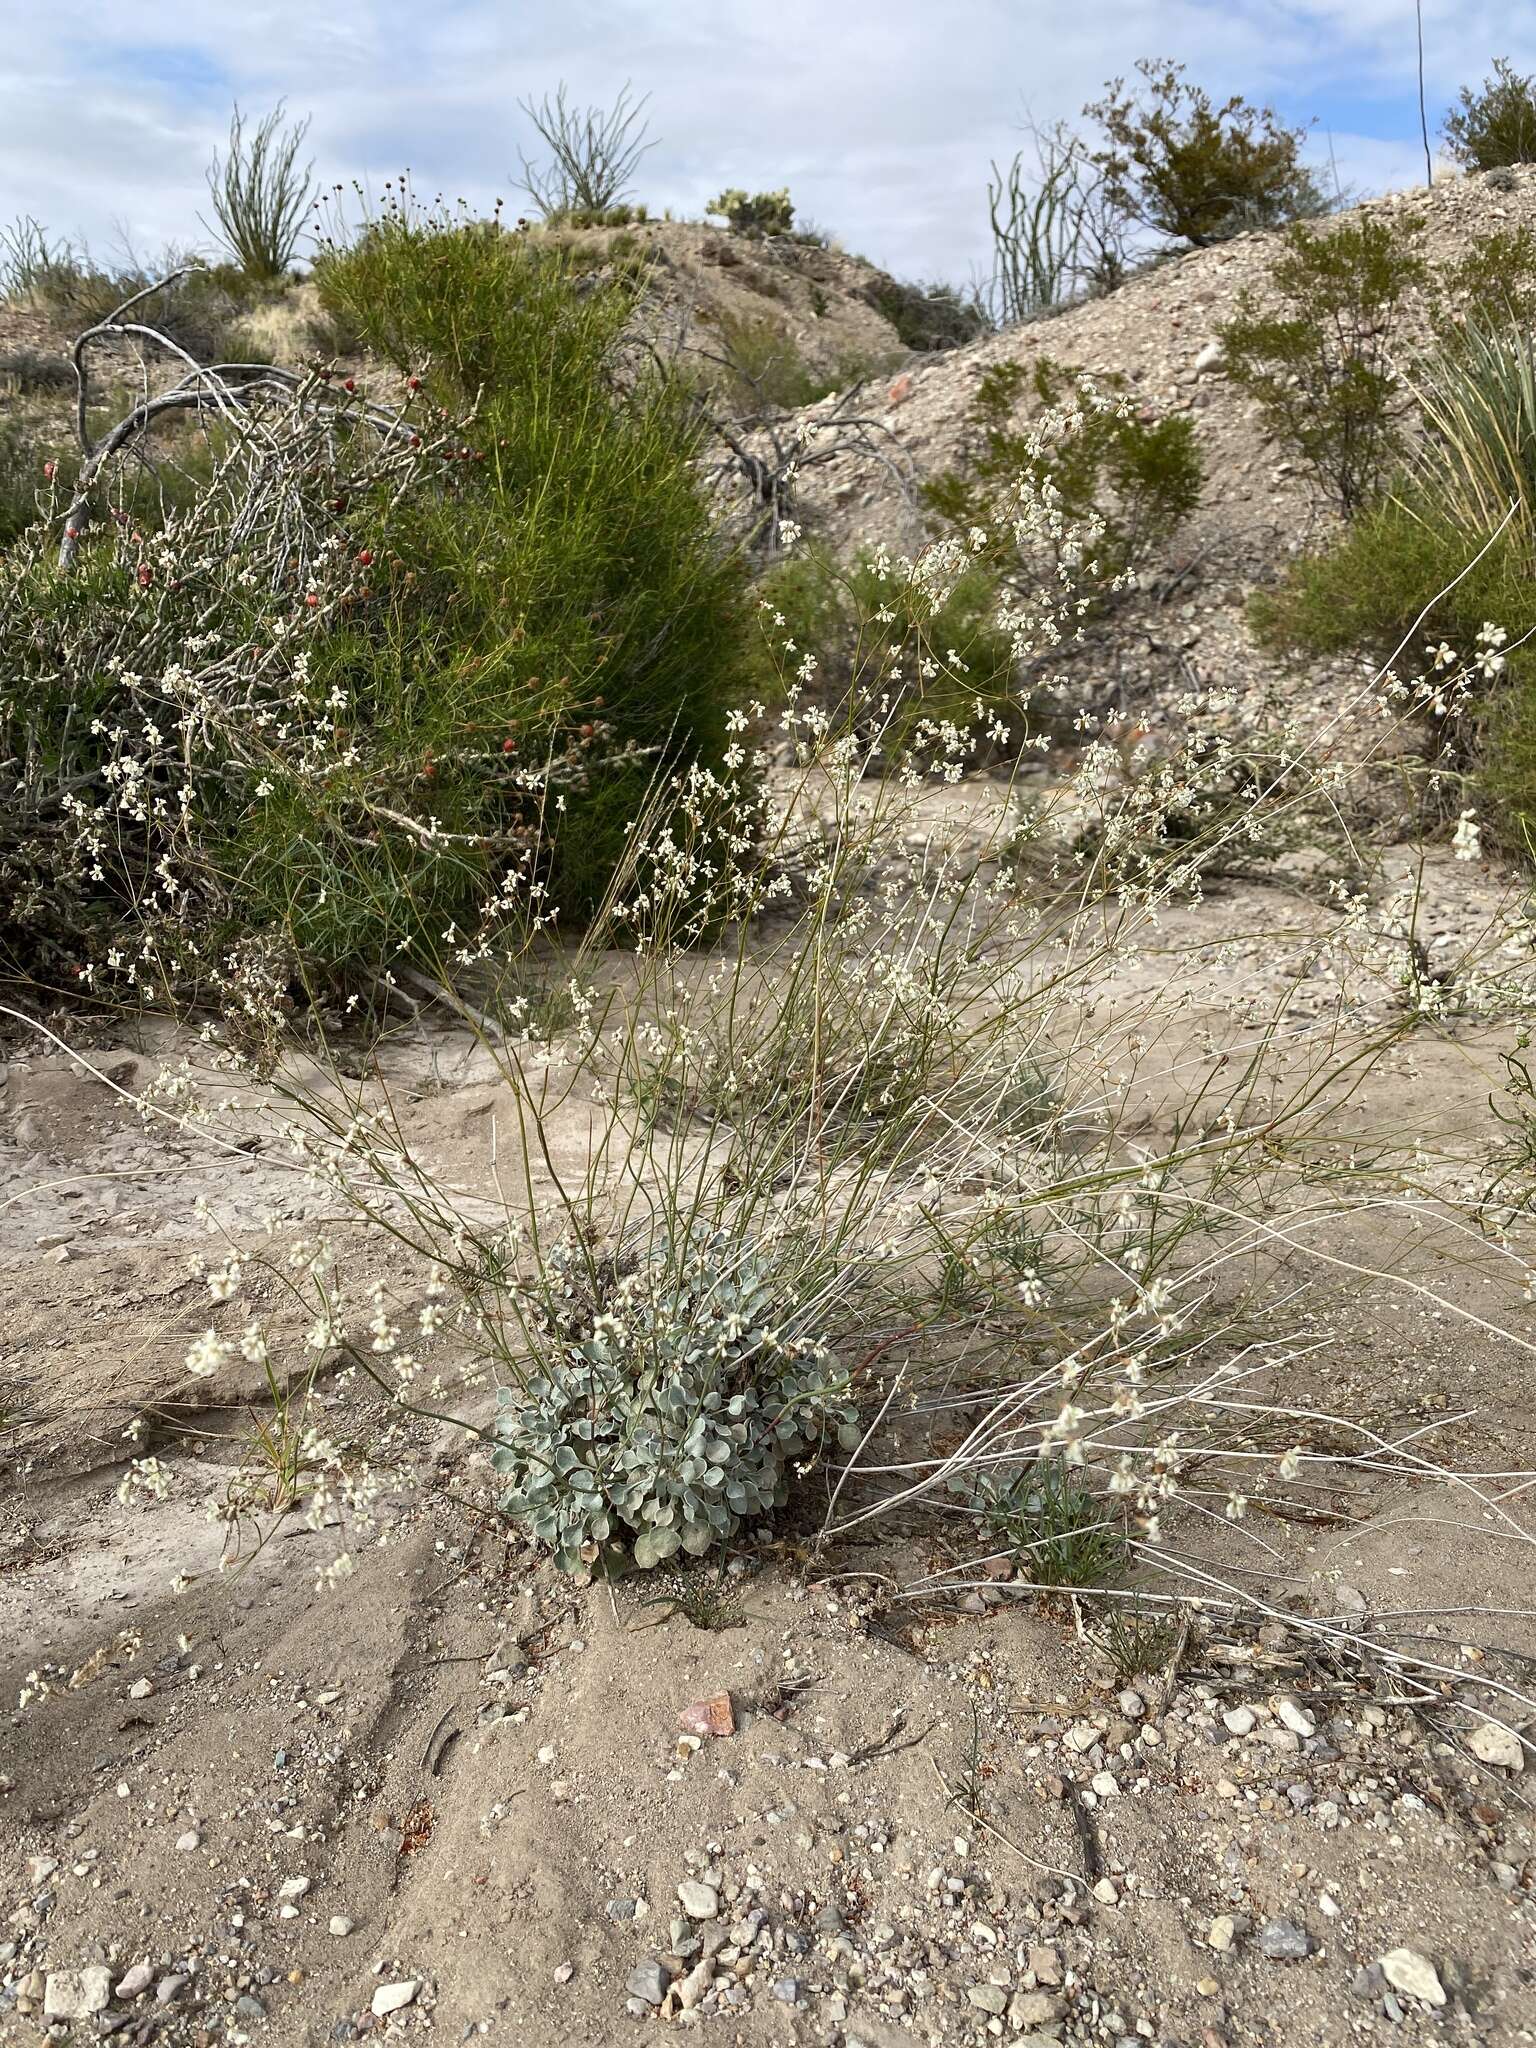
692,1049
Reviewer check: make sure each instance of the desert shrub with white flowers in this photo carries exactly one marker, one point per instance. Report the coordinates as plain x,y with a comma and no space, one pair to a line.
312,731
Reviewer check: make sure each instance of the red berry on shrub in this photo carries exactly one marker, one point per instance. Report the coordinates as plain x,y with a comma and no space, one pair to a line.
313,598
48,470
350,385
509,745
146,575
365,556
413,383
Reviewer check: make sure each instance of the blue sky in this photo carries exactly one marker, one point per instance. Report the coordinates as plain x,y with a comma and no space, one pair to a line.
880,115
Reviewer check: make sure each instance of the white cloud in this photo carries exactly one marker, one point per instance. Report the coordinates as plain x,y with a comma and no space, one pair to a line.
882,118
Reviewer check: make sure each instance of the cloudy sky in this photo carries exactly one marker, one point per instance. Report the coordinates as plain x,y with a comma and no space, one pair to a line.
880,115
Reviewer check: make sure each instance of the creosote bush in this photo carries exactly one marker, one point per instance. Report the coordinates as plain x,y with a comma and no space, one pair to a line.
1177,163
1320,362
1494,126
927,316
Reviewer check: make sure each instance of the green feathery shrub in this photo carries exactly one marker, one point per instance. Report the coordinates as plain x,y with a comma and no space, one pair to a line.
574,592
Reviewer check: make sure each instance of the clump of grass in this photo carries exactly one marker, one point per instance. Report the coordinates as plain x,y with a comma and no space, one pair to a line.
1139,1639
1049,1521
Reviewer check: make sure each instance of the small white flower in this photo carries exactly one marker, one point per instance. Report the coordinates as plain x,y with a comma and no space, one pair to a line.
207,1355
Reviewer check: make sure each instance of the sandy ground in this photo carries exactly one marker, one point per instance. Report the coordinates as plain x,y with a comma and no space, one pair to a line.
453,1796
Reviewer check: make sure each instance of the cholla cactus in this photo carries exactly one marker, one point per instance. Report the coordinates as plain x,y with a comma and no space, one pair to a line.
757,213
675,1391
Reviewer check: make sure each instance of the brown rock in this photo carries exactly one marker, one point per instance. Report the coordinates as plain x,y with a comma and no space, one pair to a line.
714,1716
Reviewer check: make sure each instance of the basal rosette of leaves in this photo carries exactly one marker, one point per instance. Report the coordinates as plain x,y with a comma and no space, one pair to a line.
669,1407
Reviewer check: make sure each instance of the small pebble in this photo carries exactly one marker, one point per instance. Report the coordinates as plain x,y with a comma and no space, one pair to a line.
1407,1971
1284,1942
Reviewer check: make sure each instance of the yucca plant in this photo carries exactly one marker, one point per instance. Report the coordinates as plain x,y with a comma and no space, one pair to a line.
1476,463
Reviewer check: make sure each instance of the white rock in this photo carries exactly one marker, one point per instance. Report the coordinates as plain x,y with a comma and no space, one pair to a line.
1296,1718
699,1901
1239,1720
1081,1736
1406,1970
141,1688
341,1926
293,1887
76,1994
692,1988
1209,358
1222,1933
189,1841
393,1997
1107,1892
133,1981
1491,1744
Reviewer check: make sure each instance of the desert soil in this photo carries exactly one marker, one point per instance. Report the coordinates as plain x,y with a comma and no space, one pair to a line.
457,1785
